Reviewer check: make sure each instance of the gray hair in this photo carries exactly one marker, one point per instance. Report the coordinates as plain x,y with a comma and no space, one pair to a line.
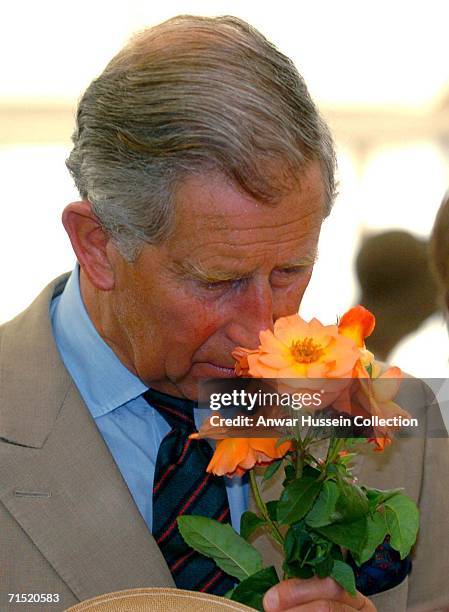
191,95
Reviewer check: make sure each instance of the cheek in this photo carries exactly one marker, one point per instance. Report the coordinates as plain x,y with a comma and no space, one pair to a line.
187,325
198,325
288,299
303,286
166,332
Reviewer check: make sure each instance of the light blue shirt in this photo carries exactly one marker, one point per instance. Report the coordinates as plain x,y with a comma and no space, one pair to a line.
131,428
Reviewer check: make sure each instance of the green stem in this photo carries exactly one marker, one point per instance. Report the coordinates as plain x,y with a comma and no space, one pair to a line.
277,535
306,557
339,445
299,463
300,451
335,445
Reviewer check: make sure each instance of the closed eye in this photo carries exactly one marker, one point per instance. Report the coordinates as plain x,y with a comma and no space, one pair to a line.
220,285
292,270
278,276
286,275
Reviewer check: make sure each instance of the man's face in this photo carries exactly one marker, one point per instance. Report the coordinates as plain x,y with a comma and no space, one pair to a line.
231,267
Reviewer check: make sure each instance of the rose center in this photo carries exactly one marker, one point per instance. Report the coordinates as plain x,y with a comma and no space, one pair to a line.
306,350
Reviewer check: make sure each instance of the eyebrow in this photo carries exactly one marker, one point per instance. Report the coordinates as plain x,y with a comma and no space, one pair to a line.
197,272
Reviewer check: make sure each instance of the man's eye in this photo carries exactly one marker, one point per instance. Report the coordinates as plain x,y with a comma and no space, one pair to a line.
214,286
291,271
221,285
287,274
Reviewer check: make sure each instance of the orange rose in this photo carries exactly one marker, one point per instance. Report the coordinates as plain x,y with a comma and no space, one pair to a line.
380,443
357,323
234,456
240,355
376,396
297,349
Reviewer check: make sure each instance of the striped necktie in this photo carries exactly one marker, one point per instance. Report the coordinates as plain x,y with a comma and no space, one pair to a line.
182,486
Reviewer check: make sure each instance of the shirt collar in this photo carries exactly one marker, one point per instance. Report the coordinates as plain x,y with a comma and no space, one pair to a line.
103,381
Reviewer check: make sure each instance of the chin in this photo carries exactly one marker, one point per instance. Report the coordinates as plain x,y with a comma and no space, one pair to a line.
188,389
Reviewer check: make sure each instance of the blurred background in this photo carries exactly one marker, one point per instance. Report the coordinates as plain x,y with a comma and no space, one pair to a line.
379,72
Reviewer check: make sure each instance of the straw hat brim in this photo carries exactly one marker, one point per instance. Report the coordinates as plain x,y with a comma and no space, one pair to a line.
158,600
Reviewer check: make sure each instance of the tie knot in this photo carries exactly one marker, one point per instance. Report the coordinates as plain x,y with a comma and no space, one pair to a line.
176,411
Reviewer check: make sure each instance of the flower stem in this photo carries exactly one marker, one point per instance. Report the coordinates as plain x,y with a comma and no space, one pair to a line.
335,445
299,463
277,535
300,451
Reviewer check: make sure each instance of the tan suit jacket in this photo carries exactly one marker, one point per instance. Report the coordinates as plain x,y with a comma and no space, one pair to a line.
68,522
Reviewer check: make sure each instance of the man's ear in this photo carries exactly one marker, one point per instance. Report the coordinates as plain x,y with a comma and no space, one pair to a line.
89,241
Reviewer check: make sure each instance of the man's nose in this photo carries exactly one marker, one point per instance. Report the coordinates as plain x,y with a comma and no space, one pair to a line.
253,313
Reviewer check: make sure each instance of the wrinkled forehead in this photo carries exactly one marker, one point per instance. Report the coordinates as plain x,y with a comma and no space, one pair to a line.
215,222
211,202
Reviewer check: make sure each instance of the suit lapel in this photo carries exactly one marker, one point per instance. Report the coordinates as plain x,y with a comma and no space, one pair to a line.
59,480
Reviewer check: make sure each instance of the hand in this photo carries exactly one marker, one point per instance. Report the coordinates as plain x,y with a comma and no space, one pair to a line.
313,595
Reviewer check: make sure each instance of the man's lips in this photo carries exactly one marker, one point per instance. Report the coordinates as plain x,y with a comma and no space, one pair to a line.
208,369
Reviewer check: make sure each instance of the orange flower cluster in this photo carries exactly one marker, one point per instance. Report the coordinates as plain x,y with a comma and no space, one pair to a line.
296,349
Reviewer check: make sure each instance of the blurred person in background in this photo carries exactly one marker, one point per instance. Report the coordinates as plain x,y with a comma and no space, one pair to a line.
404,281
204,171
439,254
439,261
397,285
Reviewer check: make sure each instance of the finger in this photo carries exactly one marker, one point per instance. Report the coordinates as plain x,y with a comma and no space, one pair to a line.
323,605
293,592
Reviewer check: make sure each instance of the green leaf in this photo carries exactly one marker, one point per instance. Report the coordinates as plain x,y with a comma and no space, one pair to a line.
297,499
352,503
376,530
324,508
376,497
294,569
272,508
344,575
251,590
402,518
332,470
297,541
272,469
290,474
323,567
249,522
311,472
336,553
351,535
231,552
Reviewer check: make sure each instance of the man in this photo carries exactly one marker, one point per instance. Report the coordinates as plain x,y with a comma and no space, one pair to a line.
393,272
204,172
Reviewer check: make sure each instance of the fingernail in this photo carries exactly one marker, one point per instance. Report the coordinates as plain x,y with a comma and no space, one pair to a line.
271,600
